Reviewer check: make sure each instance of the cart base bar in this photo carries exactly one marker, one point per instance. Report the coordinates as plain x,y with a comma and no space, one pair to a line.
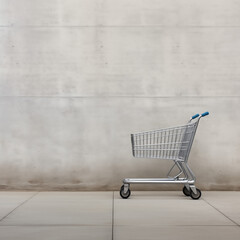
157,180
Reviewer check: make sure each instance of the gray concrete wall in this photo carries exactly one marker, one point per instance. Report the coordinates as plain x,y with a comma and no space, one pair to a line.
78,76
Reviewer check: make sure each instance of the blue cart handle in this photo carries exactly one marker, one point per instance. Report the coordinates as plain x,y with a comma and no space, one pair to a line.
195,116
204,114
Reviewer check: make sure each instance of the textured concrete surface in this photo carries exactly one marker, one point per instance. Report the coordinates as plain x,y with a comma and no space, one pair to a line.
55,232
225,202
77,77
58,208
181,233
104,215
11,200
166,209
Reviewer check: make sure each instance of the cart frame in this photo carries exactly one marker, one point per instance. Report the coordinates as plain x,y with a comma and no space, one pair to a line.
179,155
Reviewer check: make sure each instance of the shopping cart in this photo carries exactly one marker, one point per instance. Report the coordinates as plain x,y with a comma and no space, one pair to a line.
173,144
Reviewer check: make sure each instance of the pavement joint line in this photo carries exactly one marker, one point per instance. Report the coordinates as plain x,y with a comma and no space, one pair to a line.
19,206
113,215
117,96
221,212
118,225
118,26
177,225
54,225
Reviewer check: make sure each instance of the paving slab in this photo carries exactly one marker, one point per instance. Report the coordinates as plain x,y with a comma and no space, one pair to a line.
176,232
165,209
64,208
11,200
226,202
55,232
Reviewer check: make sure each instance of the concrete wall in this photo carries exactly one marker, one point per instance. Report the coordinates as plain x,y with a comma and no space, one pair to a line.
78,76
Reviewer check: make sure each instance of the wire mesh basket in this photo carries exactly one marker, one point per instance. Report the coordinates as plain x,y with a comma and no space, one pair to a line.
170,143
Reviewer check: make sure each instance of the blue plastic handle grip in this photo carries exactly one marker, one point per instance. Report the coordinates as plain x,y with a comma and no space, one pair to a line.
195,116
204,114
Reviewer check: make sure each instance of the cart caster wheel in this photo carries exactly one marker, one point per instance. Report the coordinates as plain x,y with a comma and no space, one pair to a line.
186,191
196,196
125,195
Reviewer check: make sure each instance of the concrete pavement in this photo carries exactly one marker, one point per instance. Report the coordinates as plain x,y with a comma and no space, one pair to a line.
104,215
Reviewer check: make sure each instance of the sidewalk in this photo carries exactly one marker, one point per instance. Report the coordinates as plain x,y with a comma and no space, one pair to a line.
105,216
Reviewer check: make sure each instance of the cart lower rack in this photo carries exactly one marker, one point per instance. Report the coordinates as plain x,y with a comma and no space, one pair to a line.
172,144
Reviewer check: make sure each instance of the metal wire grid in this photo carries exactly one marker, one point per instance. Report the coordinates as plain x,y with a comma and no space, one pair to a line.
170,143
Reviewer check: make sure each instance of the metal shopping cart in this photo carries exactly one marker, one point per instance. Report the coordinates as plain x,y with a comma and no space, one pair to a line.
170,143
